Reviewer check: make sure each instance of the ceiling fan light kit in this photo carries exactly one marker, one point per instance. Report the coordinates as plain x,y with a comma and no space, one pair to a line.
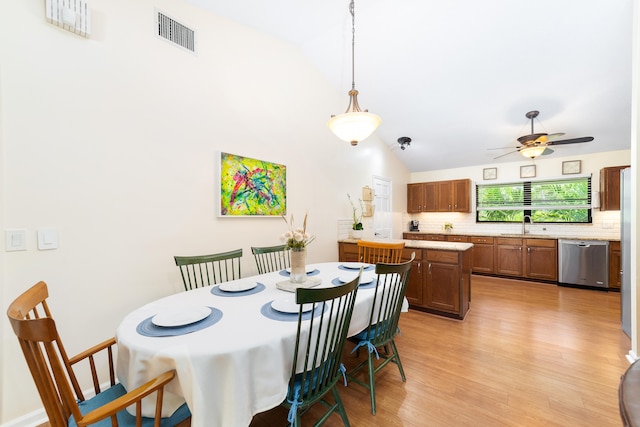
536,144
355,124
404,142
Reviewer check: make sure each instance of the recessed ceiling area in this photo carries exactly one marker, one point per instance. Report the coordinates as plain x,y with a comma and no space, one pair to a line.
459,76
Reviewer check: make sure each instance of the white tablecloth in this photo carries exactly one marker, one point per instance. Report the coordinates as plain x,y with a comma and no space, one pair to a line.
233,369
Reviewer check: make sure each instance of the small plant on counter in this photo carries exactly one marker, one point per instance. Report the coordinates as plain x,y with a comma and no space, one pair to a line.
357,217
448,226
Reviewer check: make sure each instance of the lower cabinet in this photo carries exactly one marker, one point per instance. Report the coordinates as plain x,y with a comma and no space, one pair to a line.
483,255
529,258
614,265
439,282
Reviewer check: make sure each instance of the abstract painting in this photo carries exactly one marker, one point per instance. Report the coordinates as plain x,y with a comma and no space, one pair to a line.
251,187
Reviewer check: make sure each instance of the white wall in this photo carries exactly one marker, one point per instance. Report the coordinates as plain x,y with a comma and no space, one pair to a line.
606,224
111,140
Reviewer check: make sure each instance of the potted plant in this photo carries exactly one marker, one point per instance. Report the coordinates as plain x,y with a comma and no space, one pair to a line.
356,226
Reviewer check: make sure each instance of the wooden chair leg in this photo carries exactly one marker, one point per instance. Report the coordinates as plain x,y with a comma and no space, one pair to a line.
398,362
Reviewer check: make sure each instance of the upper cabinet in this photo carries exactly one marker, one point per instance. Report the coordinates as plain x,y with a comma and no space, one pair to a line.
610,188
439,196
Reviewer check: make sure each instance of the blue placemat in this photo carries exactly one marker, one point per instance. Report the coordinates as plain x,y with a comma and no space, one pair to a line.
285,273
367,268
272,314
148,329
371,284
219,292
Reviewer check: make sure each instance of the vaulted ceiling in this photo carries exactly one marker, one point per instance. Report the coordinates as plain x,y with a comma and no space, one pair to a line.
458,76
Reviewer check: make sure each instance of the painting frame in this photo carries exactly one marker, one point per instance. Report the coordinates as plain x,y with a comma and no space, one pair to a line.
489,173
571,167
250,187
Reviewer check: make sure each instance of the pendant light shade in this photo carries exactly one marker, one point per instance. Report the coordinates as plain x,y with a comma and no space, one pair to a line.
533,152
354,125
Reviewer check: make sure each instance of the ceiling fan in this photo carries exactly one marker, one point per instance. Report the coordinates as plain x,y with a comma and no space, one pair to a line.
536,144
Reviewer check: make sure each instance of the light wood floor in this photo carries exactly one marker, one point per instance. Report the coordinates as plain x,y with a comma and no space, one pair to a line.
527,354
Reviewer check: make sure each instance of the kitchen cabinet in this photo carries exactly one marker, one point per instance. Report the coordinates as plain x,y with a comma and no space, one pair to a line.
614,265
541,259
423,236
415,286
348,252
483,255
454,196
457,238
508,256
421,197
529,258
439,281
610,188
439,196
447,287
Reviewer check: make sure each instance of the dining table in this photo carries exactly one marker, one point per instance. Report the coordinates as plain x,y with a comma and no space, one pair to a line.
231,344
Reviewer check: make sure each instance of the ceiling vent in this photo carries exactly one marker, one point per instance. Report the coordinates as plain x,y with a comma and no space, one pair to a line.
173,31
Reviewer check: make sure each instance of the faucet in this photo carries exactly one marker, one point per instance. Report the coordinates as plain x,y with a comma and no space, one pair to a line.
523,223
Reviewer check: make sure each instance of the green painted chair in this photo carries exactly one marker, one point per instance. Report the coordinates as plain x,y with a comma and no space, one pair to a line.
205,270
391,287
320,340
271,258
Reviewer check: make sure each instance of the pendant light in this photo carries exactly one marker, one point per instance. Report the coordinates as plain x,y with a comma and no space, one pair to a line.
354,125
533,151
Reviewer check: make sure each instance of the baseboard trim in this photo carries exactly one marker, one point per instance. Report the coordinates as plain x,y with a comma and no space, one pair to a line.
32,419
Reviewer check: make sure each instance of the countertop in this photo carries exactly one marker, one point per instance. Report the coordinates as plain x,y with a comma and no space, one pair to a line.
422,244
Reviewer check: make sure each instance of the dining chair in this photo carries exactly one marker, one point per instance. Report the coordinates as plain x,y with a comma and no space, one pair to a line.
205,270
390,291
57,384
375,252
316,367
271,258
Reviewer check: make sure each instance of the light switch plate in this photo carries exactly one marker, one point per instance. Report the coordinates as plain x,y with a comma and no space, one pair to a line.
47,239
15,240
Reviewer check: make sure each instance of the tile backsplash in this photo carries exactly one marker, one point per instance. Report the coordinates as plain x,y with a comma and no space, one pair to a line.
606,225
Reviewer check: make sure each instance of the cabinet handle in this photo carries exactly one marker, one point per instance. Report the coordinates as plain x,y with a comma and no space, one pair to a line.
429,267
528,250
520,248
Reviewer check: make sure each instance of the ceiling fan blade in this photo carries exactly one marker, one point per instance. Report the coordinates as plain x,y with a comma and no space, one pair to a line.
571,141
506,154
554,136
503,148
547,151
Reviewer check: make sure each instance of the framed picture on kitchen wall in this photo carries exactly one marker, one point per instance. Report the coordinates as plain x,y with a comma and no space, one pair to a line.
251,187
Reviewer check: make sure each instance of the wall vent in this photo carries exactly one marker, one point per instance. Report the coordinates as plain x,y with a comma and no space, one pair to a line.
173,31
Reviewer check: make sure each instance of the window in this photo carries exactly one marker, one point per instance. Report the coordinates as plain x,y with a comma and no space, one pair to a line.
545,201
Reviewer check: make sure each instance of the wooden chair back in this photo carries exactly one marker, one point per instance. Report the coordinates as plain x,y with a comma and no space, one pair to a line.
271,258
205,270
46,357
375,252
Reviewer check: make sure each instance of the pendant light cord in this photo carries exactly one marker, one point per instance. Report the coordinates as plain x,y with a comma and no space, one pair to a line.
353,44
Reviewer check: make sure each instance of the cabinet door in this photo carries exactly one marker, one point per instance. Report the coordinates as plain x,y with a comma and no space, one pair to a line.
482,260
461,195
347,252
509,257
430,197
445,194
614,265
415,286
541,259
456,238
610,188
443,287
415,198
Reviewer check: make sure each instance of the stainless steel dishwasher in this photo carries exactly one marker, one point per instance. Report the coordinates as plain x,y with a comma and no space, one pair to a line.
583,262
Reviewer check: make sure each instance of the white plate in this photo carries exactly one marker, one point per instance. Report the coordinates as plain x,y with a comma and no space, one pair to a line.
354,265
364,279
238,286
288,305
308,269
180,316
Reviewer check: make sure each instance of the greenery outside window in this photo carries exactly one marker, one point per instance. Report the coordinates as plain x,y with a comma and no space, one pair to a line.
545,201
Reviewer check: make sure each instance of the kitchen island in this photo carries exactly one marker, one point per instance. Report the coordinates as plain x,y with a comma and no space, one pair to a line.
440,280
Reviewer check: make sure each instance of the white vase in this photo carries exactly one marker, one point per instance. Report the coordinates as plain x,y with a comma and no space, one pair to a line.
356,234
298,265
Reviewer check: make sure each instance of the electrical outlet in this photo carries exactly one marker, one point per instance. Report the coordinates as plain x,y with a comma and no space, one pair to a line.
607,224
